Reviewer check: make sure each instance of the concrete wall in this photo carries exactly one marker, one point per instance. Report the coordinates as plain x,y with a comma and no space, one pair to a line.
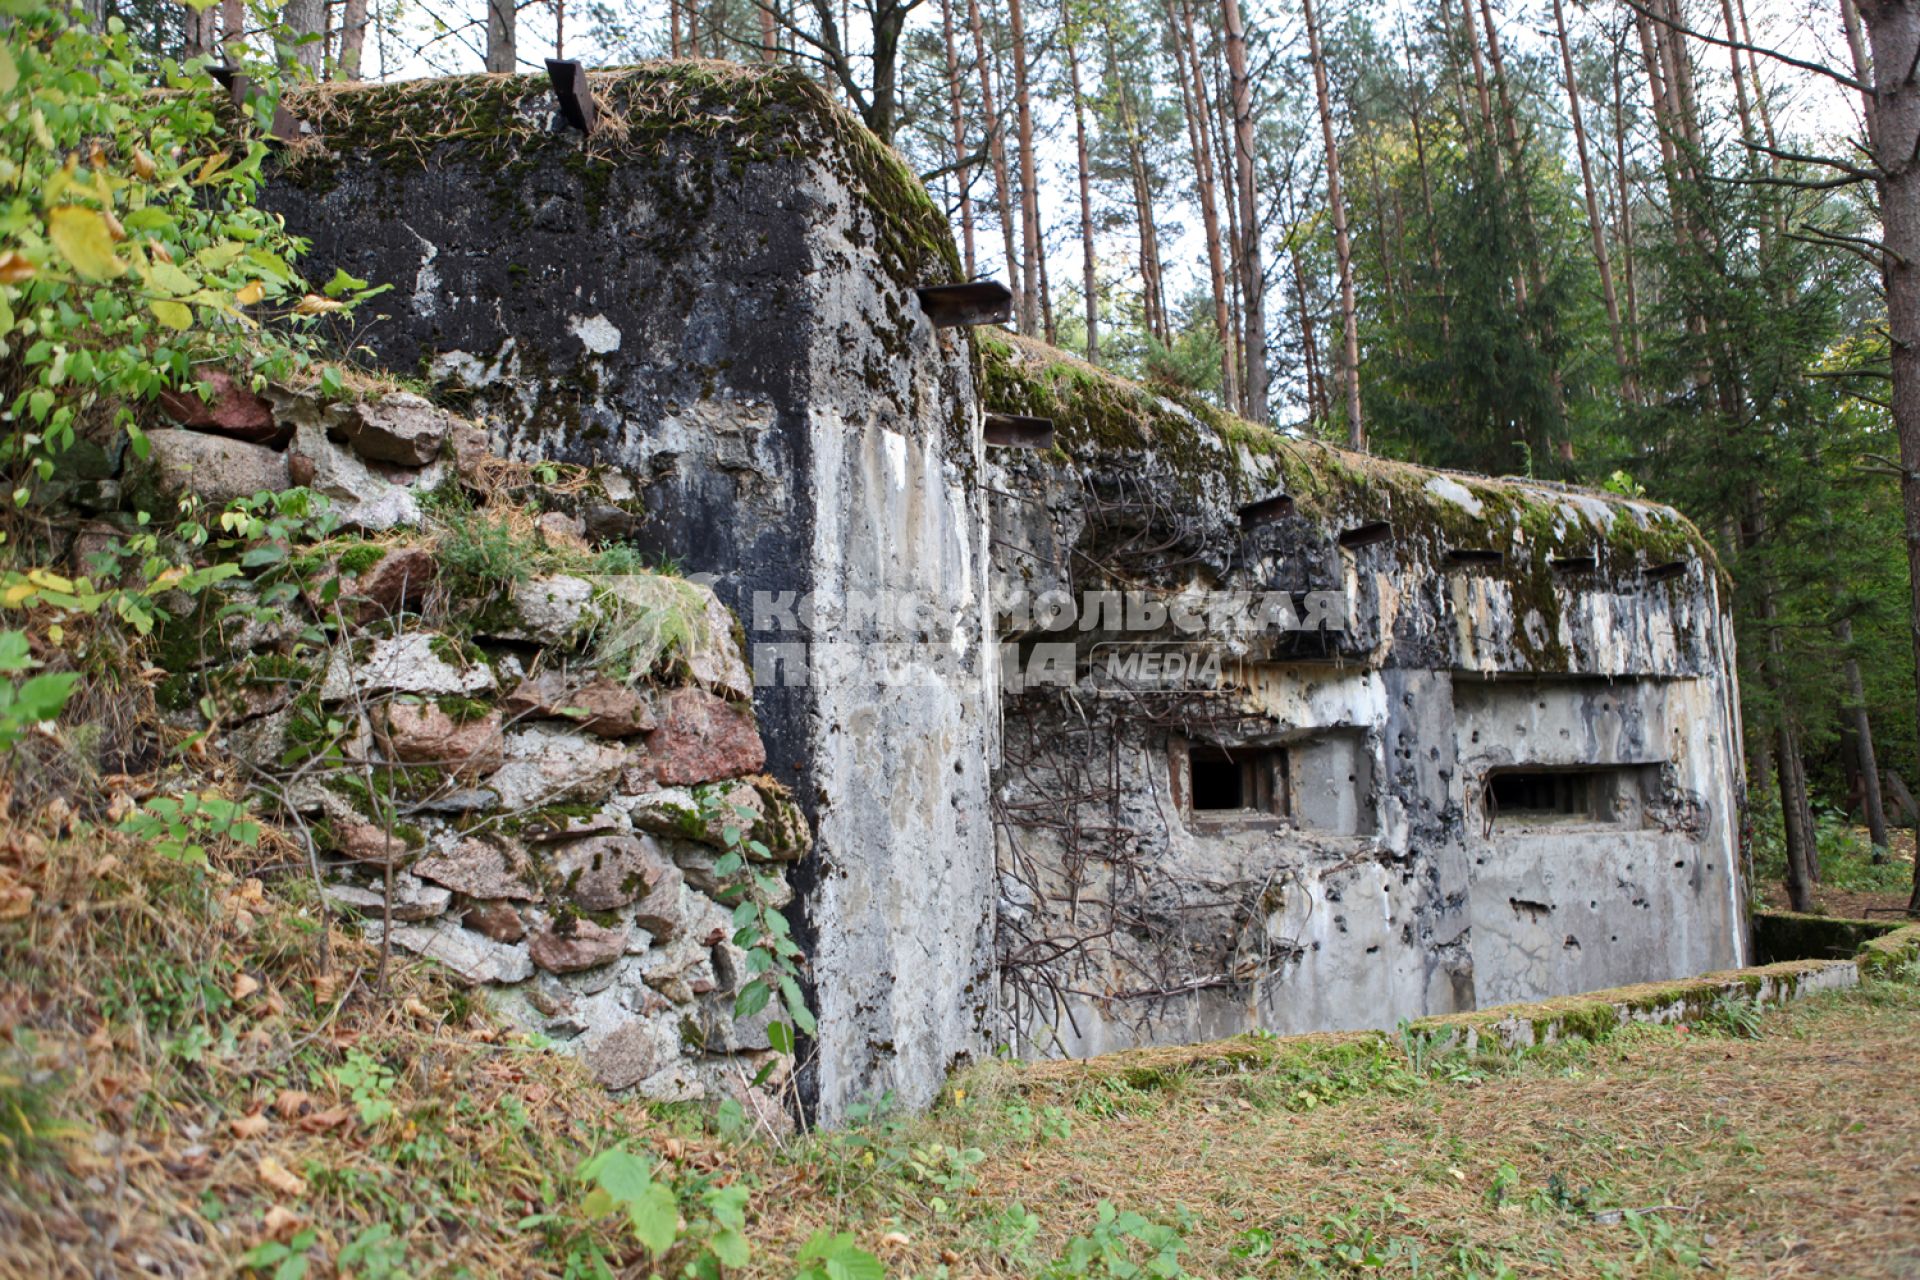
718,309
713,303
1576,632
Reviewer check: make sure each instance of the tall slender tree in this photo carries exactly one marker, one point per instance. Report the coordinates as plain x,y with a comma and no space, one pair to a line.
1343,246
1253,277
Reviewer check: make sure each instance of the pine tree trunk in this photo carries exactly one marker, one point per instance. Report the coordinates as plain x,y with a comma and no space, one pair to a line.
1317,408
1029,184
353,38
305,18
197,35
1153,298
1893,43
1220,127
233,30
1194,108
963,176
1795,817
674,42
1416,114
770,41
1489,130
1342,246
1623,221
1753,66
1089,265
1595,223
500,33
996,145
1865,758
1253,278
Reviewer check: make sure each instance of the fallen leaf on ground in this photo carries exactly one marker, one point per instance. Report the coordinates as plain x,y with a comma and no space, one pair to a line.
277,1176
321,1121
250,1126
290,1104
281,1223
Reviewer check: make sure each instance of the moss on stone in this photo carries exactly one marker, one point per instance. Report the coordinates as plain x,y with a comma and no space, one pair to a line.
747,114
1102,419
1793,935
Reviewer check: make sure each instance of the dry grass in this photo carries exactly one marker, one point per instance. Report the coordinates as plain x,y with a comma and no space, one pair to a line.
152,1017
1796,1154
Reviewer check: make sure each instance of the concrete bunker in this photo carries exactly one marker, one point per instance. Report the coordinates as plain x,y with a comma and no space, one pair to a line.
1117,720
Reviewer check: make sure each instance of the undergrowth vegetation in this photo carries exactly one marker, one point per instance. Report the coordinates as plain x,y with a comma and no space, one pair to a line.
176,1031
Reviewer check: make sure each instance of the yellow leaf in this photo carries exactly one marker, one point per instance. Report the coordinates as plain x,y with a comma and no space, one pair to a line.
212,166
277,1176
56,633
171,279
9,71
53,581
315,305
144,166
250,295
82,237
174,315
17,594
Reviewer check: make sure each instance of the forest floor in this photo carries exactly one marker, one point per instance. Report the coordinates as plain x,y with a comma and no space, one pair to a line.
187,1086
1852,886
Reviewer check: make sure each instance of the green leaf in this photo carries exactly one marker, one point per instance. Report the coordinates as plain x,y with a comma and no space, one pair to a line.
82,237
15,655
9,71
655,1216
174,315
730,1247
342,282
752,999
780,1038
171,279
42,697
796,1004
840,1258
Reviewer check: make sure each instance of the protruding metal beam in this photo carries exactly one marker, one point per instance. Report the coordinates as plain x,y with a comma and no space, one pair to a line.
975,302
1475,555
1574,564
286,126
1266,511
1365,535
576,98
1012,431
1661,572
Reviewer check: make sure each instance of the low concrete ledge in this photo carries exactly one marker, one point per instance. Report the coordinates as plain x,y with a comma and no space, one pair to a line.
1592,1016
1890,950
1797,935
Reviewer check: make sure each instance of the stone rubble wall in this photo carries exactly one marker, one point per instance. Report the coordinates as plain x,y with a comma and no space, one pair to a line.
547,781
711,302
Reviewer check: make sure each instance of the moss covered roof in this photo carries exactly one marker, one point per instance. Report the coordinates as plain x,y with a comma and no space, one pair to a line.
1098,414
647,113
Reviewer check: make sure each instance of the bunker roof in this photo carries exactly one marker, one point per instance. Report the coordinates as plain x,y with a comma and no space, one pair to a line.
1102,418
652,114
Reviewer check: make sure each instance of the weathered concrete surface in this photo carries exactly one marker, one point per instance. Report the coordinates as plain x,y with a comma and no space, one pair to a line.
714,301
1596,639
711,300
